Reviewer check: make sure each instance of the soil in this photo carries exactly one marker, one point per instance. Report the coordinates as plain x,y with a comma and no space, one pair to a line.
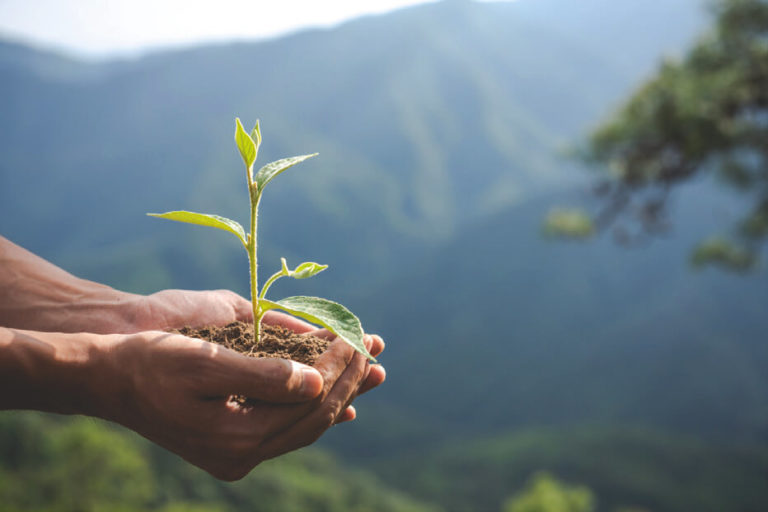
275,341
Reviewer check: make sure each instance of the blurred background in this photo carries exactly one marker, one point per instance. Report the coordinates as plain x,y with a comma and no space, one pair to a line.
553,211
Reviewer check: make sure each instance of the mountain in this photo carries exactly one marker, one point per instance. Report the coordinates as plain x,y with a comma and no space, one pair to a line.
426,119
49,463
626,469
504,328
620,369
441,131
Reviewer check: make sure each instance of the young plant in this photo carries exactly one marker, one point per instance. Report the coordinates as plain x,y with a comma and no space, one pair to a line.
331,315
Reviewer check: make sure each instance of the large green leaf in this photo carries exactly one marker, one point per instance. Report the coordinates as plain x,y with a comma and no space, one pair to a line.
204,219
331,315
246,145
272,169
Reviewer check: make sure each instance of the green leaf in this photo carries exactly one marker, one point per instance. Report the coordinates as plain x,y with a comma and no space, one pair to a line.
307,269
246,145
272,169
204,219
331,315
256,135
303,271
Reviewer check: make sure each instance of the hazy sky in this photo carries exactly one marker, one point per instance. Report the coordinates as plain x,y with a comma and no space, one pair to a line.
98,28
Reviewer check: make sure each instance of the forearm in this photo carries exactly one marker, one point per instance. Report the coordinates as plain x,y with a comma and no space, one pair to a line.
37,295
55,372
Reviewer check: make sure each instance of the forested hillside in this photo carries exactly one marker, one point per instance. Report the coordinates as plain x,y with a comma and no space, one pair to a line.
443,132
426,120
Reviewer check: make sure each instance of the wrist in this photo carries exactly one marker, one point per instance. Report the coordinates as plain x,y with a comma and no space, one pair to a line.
55,372
40,296
98,309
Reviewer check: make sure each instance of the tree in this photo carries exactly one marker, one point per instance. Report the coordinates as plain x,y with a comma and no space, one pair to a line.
706,114
544,493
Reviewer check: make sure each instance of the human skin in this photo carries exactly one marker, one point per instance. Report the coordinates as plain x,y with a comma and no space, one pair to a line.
73,346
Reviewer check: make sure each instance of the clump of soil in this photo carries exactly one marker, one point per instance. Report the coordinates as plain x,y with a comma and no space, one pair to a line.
275,341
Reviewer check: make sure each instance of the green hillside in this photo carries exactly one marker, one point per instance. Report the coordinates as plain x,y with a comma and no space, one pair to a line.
51,463
625,468
426,120
524,331
441,131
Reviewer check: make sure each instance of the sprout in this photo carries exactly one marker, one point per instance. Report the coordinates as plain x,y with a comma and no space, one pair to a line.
334,317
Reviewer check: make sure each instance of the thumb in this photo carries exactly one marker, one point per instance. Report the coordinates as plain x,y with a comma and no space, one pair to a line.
266,379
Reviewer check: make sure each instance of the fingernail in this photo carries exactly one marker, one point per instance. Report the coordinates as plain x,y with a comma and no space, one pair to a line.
311,381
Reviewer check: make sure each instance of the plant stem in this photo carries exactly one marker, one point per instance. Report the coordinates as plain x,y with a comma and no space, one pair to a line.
255,196
269,282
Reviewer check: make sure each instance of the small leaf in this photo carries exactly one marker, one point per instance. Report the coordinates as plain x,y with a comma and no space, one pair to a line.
256,135
307,269
246,145
204,219
272,169
331,315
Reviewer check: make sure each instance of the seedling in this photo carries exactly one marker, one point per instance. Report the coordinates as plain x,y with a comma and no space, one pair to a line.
331,315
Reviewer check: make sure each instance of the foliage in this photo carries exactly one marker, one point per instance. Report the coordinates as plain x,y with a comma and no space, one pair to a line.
571,223
61,464
70,465
331,315
720,251
416,146
420,144
544,493
622,467
567,333
705,114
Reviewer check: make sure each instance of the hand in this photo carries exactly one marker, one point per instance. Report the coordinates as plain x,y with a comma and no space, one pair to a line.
39,296
57,354
178,308
175,391
170,309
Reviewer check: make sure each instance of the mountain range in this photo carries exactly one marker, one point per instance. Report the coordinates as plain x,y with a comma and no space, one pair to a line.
443,133
426,120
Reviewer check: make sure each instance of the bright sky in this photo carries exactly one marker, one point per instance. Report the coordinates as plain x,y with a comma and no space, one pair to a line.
101,28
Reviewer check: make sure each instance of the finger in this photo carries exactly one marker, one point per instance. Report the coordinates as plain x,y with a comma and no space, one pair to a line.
366,382
331,365
348,414
289,322
322,333
377,345
266,379
376,376
333,362
240,305
373,341
354,395
311,427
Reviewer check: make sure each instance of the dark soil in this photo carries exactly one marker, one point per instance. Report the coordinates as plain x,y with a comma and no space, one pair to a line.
275,341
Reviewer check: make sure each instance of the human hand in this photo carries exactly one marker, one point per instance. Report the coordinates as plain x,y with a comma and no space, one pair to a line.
40,296
168,309
178,308
176,392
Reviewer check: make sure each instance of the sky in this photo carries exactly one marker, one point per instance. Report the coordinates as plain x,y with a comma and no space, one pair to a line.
107,28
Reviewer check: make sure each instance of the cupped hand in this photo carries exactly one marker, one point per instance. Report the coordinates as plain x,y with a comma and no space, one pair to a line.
170,309
178,308
176,391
